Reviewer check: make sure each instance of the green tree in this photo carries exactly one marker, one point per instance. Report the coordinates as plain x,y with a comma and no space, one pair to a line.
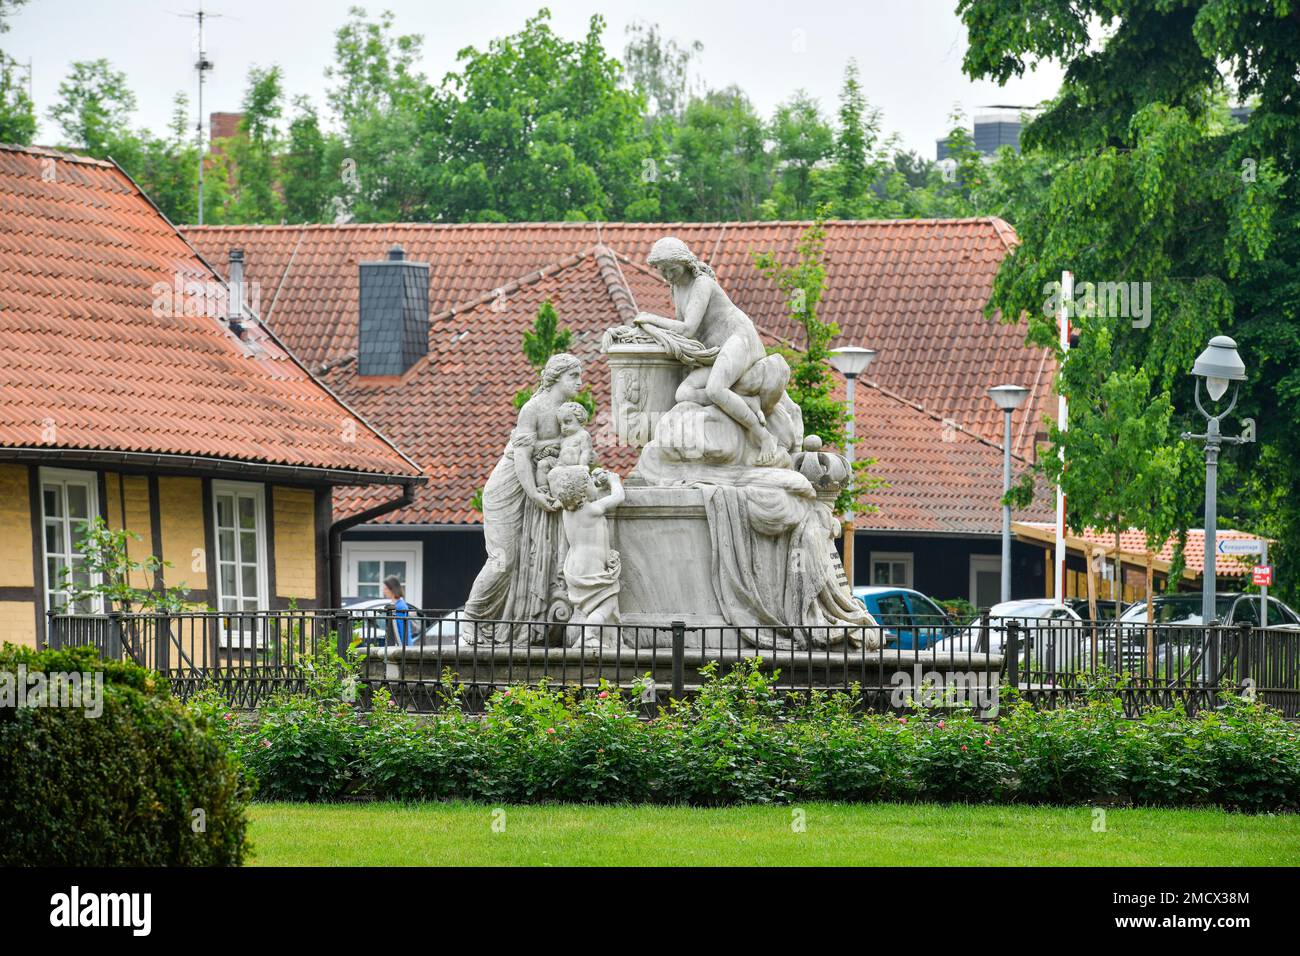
167,168
858,166
107,571
544,339
94,109
312,174
804,142
964,174
17,112
659,69
719,167
381,101
254,151
1156,183
537,127
1121,461
804,284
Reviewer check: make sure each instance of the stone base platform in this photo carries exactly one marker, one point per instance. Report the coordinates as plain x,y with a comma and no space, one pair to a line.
957,672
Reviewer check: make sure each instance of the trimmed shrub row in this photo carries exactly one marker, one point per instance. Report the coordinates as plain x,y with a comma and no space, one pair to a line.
134,780
739,741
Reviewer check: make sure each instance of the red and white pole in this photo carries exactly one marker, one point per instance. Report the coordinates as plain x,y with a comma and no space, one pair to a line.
1062,422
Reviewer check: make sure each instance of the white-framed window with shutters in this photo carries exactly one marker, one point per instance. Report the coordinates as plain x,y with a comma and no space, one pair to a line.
69,499
239,523
891,568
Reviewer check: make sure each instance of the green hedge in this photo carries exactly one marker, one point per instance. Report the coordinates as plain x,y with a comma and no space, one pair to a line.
740,741
115,788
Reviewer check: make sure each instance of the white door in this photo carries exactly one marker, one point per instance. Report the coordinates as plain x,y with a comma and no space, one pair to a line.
367,563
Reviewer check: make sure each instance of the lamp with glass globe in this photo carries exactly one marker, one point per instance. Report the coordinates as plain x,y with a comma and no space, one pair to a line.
1220,366
850,361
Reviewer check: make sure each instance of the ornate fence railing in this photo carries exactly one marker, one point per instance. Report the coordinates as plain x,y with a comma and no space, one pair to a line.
427,658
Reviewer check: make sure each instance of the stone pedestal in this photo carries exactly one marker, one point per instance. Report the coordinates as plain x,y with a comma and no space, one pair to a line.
662,537
667,553
644,381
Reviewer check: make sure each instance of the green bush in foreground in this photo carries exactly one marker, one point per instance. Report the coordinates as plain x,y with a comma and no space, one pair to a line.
738,741
128,778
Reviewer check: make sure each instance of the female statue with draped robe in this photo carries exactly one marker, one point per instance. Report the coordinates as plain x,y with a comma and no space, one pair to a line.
521,520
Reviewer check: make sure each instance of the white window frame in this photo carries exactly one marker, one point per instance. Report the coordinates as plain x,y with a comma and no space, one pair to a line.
983,562
406,550
63,477
258,492
905,557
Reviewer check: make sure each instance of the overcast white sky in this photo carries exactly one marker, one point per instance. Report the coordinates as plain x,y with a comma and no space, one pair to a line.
909,51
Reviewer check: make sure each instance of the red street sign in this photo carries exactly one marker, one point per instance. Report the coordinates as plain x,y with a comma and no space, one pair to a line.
1261,575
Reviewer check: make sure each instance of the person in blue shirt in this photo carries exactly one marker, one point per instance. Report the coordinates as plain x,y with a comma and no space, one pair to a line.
399,627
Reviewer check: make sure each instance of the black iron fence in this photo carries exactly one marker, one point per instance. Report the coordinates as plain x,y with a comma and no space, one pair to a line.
427,658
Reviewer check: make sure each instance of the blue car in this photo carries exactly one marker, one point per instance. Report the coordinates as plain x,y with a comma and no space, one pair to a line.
909,619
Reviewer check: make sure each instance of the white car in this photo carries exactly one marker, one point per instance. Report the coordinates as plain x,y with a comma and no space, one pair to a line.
1055,631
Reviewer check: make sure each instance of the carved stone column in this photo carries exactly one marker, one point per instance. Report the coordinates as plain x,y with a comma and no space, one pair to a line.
643,383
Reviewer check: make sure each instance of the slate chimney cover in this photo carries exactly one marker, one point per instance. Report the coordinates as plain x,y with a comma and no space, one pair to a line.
394,320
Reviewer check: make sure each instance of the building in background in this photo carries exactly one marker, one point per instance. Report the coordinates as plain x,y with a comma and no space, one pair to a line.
991,132
137,387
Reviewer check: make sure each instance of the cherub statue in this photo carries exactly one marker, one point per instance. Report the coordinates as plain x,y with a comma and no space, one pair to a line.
575,444
591,566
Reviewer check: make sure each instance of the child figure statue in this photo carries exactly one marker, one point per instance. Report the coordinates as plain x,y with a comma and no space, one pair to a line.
591,566
575,444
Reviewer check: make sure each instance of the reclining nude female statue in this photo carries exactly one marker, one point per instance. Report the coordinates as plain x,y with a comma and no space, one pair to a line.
713,335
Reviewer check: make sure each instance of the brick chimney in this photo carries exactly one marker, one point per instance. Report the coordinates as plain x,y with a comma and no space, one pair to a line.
224,125
394,321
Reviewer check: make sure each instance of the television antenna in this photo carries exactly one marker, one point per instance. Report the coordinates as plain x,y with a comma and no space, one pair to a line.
204,66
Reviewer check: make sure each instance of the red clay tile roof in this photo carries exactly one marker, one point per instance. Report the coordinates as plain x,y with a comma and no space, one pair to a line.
453,409
90,363
941,477
915,290
1133,544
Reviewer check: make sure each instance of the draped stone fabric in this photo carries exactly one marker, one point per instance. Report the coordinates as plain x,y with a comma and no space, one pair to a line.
682,348
772,566
520,574
588,592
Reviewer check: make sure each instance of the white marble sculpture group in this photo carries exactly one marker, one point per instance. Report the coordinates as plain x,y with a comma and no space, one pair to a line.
725,521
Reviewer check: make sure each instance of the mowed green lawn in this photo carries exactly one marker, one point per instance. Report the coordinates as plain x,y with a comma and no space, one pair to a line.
463,834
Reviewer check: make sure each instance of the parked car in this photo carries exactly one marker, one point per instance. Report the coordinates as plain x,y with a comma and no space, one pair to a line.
1105,608
1230,608
909,619
1053,629
1174,632
448,627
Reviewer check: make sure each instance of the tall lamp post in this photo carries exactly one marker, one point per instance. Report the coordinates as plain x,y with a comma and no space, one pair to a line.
1008,398
1218,365
850,361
